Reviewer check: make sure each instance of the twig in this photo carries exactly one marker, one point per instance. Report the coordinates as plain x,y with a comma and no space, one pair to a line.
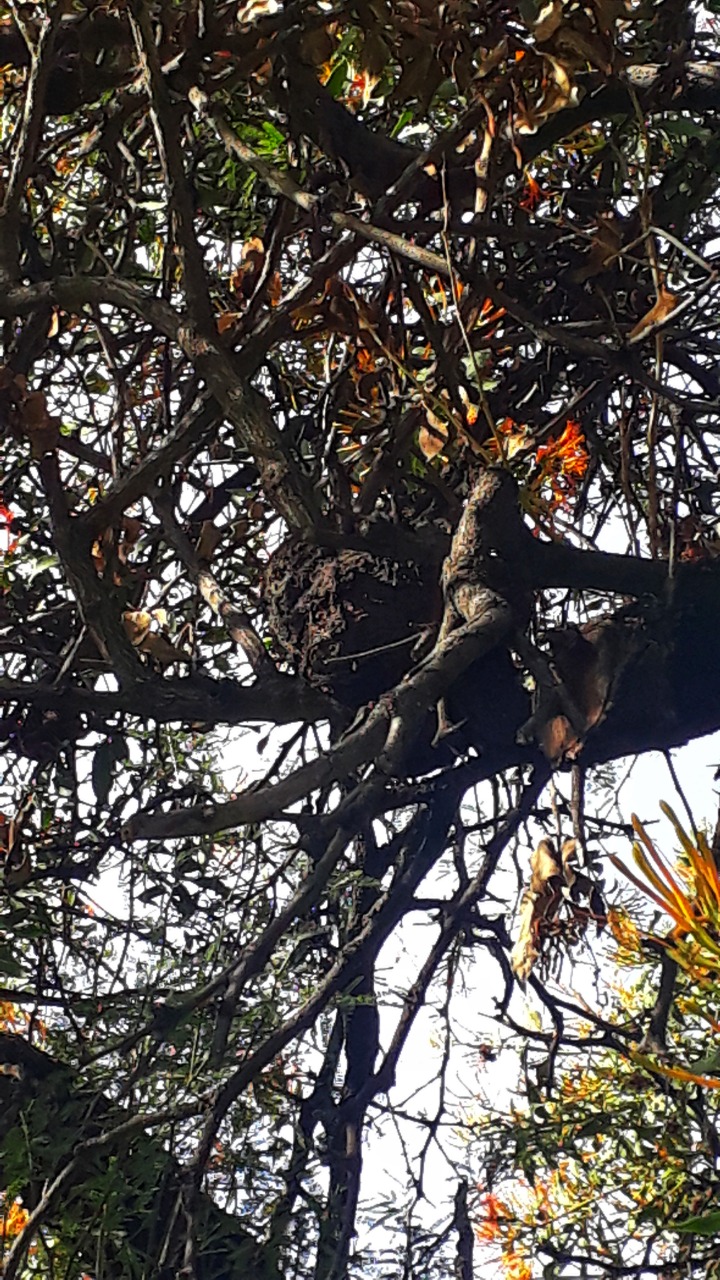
26,141
282,184
236,621
18,1250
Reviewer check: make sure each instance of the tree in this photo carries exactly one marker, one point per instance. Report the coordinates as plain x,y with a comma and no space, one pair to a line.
358,379
636,1197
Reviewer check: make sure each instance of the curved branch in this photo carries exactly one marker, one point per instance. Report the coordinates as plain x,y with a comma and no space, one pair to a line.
247,410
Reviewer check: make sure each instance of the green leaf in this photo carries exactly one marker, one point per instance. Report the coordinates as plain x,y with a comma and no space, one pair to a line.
272,140
108,755
682,128
9,967
707,1066
706,1224
336,83
41,564
101,776
405,119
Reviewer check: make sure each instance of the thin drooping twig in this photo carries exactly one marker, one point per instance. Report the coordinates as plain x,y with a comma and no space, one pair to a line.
26,142
286,486
457,909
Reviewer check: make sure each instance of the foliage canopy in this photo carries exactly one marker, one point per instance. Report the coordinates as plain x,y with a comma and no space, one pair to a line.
359,390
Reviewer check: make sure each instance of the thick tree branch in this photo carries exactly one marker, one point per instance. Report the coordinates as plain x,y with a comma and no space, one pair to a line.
655,87
96,603
191,699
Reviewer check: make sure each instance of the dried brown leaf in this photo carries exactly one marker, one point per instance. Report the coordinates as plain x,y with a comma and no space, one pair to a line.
548,20
433,437
656,316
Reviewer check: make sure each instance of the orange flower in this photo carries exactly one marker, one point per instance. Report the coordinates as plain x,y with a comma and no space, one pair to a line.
360,90
495,1216
8,1016
13,1220
515,1266
7,542
532,195
563,462
490,314
567,453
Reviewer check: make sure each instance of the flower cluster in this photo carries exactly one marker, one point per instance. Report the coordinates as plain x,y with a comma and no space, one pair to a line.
562,463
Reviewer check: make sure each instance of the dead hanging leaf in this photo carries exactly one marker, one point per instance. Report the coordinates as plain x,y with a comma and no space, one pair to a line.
35,410
488,61
481,166
543,866
99,553
253,10
375,53
463,70
317,47
161,650
586,46
558,739
465,143
589,663
559,89
558,903
40,427
131,528
207,543
54,326
369,315
274,289
17,868
556,99
548,20
432,438
525,120
570,857
253,251
539,902
16,860
138,623
307,313
109,544
420,76
607,13
605,248
558,92
666,303
510,439
244,279
227,320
